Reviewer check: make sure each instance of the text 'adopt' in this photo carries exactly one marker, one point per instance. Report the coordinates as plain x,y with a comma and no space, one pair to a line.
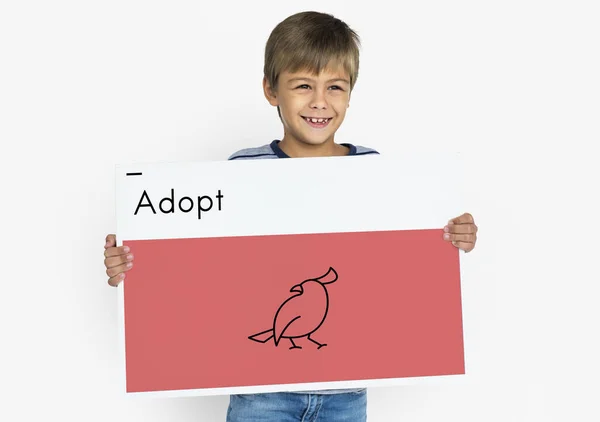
185,204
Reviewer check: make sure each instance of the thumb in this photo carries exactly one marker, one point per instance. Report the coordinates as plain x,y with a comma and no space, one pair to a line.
111,240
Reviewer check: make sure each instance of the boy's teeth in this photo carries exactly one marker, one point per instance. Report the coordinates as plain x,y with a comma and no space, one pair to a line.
318,120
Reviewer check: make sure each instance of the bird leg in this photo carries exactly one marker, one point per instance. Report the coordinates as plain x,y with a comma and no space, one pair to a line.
294,345
318,344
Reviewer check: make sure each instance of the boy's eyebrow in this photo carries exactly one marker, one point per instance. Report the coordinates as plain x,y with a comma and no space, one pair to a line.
312,80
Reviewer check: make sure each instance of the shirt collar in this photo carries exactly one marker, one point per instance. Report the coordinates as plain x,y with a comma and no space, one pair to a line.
280,154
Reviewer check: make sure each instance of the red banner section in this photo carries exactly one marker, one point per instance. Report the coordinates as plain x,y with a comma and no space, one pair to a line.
287,309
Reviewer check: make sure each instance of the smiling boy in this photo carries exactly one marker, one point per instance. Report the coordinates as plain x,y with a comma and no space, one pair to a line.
311,67
312,108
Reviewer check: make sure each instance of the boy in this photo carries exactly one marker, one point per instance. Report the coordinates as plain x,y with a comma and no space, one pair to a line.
311,67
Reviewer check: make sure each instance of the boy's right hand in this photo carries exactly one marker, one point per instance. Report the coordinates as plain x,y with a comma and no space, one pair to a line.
116,260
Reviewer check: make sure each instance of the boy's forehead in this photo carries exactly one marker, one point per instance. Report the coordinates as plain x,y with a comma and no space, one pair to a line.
328,73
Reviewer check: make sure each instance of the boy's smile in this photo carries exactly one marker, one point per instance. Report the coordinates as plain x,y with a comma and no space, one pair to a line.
312,109
317,123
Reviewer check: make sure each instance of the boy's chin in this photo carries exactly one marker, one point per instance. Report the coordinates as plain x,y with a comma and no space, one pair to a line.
316,142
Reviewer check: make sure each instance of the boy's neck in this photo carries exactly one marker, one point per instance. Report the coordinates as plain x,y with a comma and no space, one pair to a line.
295,149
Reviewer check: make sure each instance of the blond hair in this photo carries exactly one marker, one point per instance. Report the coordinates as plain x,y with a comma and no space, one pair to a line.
311,41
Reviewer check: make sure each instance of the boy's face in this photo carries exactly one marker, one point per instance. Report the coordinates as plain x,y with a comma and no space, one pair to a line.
303,97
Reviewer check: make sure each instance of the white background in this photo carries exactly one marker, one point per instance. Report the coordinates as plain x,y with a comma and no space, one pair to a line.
513,85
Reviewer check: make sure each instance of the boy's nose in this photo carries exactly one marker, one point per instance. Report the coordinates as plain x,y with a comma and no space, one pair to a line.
318,100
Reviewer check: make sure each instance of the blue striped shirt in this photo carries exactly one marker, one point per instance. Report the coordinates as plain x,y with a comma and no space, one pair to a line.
273,150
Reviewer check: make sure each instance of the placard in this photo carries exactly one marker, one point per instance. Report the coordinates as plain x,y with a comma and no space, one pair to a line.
289,274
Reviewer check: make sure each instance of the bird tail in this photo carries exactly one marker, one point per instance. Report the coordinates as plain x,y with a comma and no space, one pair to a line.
263,336
329,277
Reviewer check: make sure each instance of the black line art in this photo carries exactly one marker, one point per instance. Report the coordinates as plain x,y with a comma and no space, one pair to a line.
302,314
133,174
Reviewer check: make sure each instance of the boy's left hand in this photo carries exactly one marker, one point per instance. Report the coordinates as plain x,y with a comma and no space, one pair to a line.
462,232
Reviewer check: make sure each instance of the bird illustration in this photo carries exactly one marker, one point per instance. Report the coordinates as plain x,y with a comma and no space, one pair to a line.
302,314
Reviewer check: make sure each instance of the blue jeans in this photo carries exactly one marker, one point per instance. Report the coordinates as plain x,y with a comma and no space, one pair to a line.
296,407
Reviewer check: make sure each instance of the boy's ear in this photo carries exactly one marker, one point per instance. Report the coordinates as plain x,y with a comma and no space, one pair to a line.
270,94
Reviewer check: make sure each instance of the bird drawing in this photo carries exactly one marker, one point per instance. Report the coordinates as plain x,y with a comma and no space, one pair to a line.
301,314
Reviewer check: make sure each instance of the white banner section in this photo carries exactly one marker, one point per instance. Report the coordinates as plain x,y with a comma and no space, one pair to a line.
287,196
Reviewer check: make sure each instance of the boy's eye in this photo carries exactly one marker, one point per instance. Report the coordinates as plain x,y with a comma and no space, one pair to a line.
334,87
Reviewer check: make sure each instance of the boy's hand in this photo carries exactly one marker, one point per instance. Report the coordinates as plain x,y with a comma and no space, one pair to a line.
116,260
462,232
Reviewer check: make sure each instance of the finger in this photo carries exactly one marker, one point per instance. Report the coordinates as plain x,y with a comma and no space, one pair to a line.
461,228
111,272
465,246
470,238
118,260
114,251
114,281
111,240
465,218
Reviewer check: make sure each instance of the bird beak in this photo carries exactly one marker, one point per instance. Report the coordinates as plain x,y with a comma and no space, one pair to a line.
297,288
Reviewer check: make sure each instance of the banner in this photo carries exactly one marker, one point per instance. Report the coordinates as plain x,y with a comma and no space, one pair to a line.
289,274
